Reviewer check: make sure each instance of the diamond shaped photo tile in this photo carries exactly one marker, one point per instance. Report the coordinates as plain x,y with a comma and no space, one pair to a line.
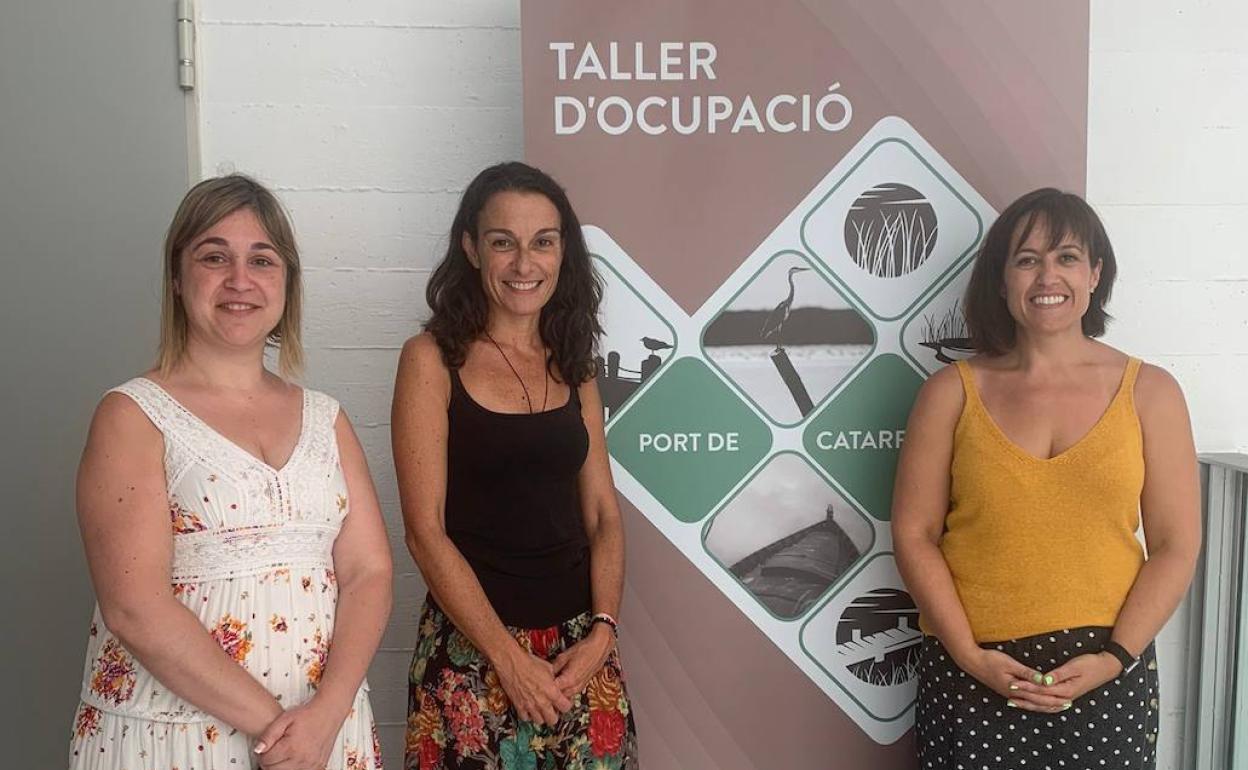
635,342
893,225
787,338
937,333
689,439
867,638
787,536
857,437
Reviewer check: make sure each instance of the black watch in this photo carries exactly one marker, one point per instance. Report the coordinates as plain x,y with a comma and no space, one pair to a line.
1127,660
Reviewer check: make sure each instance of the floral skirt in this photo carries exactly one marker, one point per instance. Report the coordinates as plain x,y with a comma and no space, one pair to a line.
960,723
458,715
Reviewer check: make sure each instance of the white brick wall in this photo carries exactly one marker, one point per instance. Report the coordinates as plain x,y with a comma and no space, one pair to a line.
1168,172
369,117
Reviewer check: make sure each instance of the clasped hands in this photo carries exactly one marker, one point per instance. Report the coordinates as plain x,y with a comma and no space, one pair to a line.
301,737
1027,689
541,690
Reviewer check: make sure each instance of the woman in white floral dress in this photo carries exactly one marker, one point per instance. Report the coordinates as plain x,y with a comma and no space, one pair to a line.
231,527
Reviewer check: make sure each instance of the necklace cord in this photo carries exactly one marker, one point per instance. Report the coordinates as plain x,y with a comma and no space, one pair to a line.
528,401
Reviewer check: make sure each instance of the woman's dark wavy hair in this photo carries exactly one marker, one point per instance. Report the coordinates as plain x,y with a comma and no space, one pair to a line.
569,321
1062,214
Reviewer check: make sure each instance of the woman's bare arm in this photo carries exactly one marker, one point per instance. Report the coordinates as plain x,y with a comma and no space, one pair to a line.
362,566
601,509
1170,508
920,504
600,512
123,512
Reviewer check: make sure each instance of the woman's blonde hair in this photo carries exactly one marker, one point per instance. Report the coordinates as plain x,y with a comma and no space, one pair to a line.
205,204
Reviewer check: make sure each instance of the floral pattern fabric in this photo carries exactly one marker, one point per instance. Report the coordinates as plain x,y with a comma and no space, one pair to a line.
252,559
459,716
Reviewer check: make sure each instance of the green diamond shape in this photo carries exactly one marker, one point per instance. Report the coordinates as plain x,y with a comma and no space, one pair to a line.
857,438
688,439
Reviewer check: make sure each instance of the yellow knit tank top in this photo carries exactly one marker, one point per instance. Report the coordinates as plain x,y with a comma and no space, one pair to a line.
1038,545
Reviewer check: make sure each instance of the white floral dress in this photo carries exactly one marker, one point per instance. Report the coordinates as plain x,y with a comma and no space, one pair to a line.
253,559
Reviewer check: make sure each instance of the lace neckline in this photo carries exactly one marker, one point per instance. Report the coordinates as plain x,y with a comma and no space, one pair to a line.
219,437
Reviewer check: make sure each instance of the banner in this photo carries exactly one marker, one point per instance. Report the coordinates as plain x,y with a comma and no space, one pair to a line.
783,200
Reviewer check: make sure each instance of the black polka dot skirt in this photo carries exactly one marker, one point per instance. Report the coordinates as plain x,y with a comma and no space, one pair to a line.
962,725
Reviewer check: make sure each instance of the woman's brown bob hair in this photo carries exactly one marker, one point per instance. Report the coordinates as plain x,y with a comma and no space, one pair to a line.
205,204
1062,215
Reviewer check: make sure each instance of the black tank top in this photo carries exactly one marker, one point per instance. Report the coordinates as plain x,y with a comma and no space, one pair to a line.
513,508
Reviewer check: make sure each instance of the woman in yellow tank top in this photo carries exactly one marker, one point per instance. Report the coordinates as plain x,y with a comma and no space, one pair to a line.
1025,476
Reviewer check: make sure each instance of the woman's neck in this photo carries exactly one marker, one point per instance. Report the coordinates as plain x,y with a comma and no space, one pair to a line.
1035,354
211,367
521,333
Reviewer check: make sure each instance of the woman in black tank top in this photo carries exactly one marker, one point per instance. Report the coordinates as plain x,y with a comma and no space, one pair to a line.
507,495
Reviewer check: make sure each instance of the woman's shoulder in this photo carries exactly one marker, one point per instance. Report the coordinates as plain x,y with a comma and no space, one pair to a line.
126,439
129,411
946,382
1150,379
322,404
1159,404
423,350
144,382
136,397
1154,386
942,394
422,365
1156,389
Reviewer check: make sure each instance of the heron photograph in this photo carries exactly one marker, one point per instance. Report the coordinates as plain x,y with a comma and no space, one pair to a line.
788,338
787,536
